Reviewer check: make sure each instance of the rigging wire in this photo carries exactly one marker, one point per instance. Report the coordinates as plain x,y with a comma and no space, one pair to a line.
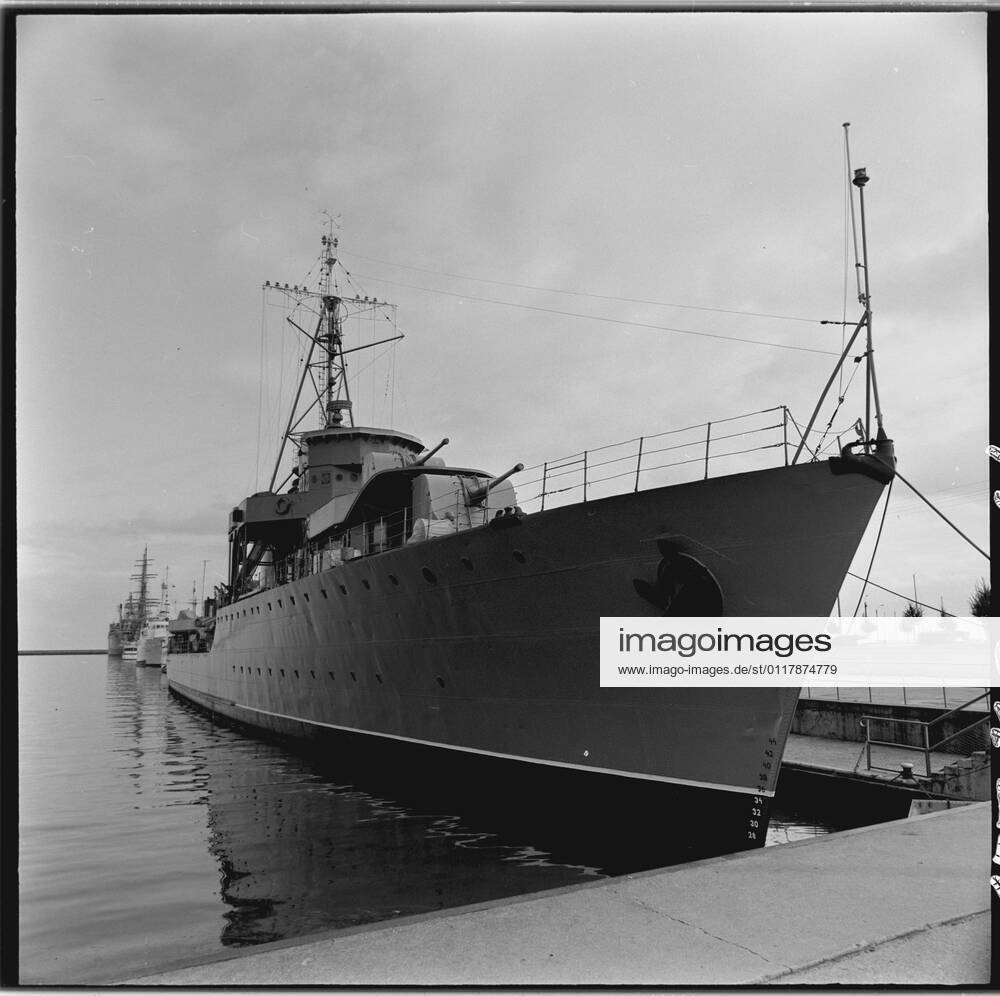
841,394
603,297
353,379
885,508
905,598
798,429
613,321
942,515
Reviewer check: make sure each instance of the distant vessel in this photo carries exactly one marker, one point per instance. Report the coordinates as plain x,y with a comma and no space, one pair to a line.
152,643
393,603
132,615
115,636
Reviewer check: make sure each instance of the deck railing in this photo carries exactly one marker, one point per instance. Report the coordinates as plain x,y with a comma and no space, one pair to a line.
635,464
645,462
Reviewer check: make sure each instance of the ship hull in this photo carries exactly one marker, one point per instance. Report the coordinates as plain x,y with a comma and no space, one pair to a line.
150,651
485,643
114,643
575,816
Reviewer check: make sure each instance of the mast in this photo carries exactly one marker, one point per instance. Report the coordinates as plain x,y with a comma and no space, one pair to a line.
860,179
143,577
881,445
165,593
332,339
325,367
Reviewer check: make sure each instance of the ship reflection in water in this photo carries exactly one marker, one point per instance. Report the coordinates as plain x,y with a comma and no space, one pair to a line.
151,835
308,843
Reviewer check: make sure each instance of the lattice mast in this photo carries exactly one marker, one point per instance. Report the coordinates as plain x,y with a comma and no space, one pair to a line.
326,368
337,399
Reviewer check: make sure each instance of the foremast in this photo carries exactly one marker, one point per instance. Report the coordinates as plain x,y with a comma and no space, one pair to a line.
325,367
877,451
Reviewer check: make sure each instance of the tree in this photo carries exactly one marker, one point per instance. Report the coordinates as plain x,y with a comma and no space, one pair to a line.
979,604
912,609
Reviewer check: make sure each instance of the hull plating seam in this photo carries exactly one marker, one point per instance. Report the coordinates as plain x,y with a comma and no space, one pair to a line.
196,696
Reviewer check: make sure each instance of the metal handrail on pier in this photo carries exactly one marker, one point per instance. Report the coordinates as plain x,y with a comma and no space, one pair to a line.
924,736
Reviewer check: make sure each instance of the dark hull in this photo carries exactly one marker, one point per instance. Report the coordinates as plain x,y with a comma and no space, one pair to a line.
615,824
486,641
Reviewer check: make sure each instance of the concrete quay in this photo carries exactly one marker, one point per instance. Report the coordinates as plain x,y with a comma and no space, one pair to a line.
904,902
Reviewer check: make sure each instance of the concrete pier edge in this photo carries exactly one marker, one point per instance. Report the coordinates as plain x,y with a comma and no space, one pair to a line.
232,967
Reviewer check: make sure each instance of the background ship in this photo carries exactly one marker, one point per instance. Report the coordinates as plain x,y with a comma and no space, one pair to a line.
151,645
124,632
410,611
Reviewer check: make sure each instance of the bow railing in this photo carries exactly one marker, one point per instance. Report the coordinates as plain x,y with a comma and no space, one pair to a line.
741,442
644,462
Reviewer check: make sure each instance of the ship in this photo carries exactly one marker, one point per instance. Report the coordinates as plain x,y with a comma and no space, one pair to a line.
115,634
389,605
123,630
152,643
136,613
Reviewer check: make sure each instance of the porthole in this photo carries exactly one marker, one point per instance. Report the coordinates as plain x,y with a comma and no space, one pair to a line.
429,575
378,677
466,563
280,606
291,598
364,581
269,609
394,579
282,670
305,595
343,589
519,557
439,680
296,673
269,671
322,591
354,677
313,673
234,669
330,673
258,670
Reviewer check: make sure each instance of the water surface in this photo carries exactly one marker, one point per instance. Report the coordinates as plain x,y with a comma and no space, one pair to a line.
150,834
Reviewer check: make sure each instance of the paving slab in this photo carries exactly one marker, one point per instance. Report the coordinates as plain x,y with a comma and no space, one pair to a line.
841,908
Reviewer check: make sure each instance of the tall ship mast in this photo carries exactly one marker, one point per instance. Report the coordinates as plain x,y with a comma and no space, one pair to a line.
383,601
138,608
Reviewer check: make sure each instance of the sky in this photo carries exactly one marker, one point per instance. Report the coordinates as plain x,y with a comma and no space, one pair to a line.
542,196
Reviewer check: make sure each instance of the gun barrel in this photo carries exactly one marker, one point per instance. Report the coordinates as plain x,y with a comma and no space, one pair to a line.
422,460
478,494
